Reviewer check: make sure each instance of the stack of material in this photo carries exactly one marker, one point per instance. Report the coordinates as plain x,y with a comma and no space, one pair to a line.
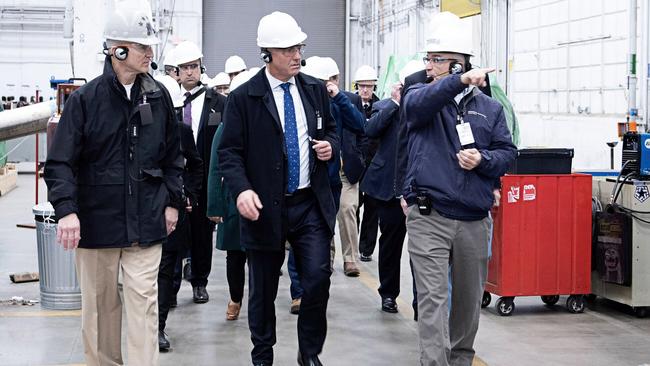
8,178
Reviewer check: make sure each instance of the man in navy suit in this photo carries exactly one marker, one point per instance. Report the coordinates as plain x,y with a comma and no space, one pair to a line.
278,137
379,183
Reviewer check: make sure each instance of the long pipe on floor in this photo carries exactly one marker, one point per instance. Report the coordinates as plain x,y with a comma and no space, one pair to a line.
25,120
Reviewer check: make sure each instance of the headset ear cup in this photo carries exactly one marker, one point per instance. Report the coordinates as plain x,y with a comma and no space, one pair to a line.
202,69
121,53
266,57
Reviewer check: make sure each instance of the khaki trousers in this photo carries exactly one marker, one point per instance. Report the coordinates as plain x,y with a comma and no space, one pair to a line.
435,242
347,220
101,306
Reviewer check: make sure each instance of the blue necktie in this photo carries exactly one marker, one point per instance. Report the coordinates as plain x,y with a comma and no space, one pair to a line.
291,140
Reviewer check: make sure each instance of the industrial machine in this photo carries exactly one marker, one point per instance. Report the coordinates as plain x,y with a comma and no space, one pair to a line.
621,254
636,155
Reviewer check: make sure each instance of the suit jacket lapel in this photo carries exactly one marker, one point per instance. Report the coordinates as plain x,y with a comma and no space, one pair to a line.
269,102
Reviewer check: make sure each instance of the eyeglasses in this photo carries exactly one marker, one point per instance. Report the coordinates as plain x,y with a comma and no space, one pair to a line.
437,60
290,51
365,86
187,67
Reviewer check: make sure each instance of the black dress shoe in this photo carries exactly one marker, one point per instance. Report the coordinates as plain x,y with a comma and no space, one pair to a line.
365,257
388,305
308,360
163,342
200,295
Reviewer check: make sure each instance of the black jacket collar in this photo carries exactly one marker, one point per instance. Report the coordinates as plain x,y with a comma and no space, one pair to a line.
144,82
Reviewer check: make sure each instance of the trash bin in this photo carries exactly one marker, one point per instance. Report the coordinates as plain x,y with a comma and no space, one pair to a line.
56,266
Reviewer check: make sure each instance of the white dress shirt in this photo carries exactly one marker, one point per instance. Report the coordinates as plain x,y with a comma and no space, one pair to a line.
301,122
197,109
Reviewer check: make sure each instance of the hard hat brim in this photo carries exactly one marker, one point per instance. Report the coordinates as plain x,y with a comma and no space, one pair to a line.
149,41
298,39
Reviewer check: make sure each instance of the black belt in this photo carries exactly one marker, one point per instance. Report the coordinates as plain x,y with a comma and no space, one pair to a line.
298,196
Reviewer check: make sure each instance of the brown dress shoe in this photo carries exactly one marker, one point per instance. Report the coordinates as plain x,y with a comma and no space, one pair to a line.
350,269
232,313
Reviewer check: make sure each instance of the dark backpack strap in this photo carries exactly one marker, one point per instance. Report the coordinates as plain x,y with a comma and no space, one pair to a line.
193,96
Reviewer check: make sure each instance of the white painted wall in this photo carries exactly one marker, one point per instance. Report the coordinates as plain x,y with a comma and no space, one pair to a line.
568,75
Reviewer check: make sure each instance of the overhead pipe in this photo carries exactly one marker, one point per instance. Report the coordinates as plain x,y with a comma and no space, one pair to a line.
26,120
631,66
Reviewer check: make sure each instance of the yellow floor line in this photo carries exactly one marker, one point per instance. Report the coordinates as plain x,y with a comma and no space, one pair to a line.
406,310
478,362
40,313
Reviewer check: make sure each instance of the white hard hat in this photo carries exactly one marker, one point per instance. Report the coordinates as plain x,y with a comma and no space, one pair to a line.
411,67
220,79
279,30
312,67
449,34
130,21
186,52
329,67
172,87
205,79
365,72
254,70
170,58
239,79
234,64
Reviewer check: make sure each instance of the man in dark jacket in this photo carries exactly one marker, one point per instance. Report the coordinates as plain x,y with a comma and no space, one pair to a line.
365,82
279,135
458,145
179,239
114,178
202,110
345,172
379,183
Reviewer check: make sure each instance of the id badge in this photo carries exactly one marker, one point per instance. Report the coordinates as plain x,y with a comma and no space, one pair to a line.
319,121
146,117
465,134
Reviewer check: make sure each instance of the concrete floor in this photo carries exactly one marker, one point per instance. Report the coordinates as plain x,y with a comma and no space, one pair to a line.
359,333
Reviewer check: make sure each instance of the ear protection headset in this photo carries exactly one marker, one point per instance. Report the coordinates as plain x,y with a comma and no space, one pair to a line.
455,68
120,53
265,55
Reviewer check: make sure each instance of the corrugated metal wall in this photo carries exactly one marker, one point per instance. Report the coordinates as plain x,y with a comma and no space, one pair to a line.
569,56
230,27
